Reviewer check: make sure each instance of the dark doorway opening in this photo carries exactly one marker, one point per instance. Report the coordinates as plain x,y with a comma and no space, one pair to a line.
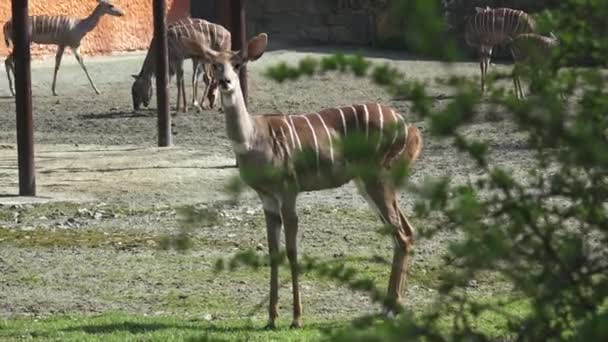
205,9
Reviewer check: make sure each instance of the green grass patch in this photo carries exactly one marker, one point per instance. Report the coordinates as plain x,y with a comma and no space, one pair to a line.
114,326
124,327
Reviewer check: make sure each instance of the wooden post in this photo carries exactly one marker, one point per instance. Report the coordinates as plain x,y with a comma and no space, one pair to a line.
23,98
239,39
162,75
232,16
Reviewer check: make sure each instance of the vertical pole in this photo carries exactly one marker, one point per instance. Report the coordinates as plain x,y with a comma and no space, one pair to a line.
162,76
239,38
23,98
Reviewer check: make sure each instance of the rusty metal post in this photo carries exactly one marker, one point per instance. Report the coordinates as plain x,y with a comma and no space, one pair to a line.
23,98
239,38
162,75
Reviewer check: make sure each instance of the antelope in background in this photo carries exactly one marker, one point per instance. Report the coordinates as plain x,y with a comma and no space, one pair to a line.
530,48
215,36
62,31
490,27
276,142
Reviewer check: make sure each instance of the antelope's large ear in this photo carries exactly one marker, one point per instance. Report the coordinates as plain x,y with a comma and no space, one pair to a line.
135,76
207,54
256,46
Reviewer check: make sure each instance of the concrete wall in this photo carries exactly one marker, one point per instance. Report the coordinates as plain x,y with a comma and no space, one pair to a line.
128,33
325,21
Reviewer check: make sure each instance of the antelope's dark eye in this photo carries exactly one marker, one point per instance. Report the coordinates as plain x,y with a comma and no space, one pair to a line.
237,65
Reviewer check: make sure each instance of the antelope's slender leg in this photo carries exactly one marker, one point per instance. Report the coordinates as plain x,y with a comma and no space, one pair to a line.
179,80
196,71
58,55
272,215
207,81
384,199
290,223
183,82
515,85
81,62
9,66
520,90
179,90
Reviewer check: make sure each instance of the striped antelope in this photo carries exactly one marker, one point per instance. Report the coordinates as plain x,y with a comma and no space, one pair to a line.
530,48
277,143
214,35
62,31
490,27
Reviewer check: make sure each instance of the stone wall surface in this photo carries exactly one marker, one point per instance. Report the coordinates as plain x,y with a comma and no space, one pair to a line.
325,21
130,32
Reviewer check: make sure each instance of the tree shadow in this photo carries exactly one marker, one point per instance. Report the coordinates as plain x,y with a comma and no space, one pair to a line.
432,97
203,326
121,169
119,115
130,327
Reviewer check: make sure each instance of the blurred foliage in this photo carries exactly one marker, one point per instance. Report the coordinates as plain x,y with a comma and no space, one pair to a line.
580,25
545,229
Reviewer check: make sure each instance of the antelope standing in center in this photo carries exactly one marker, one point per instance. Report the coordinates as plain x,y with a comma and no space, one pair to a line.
62,31
278,143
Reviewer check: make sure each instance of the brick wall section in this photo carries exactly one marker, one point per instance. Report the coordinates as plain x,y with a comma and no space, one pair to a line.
130,32
325,21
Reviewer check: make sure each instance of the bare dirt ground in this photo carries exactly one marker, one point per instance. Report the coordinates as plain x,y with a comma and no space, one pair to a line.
107,196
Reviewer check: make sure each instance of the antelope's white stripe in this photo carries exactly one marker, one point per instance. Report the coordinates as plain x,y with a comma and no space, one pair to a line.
343,121
295,131
356,117
293,141
331,144
366,121
405,128
314,139
285,140
396,123
381,115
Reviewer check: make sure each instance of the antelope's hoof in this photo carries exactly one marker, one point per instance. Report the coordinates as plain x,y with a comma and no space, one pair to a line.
389,313
295,325
270,326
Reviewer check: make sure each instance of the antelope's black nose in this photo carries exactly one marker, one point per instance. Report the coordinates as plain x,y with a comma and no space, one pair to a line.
224,83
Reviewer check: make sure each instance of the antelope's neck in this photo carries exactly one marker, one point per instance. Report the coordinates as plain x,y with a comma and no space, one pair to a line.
88,24
148,68
239,124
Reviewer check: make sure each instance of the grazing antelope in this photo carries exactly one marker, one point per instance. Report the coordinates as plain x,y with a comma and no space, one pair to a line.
62,31
277,143
213,35
490,27
530,48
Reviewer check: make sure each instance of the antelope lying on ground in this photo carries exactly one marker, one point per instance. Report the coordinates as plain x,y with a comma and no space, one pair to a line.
276,143
530,48
61,31
213,35
490,27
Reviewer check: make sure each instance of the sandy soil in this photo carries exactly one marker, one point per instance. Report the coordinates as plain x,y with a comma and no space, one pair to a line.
94,152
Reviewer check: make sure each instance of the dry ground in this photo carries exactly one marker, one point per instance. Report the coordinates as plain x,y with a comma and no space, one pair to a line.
112,195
